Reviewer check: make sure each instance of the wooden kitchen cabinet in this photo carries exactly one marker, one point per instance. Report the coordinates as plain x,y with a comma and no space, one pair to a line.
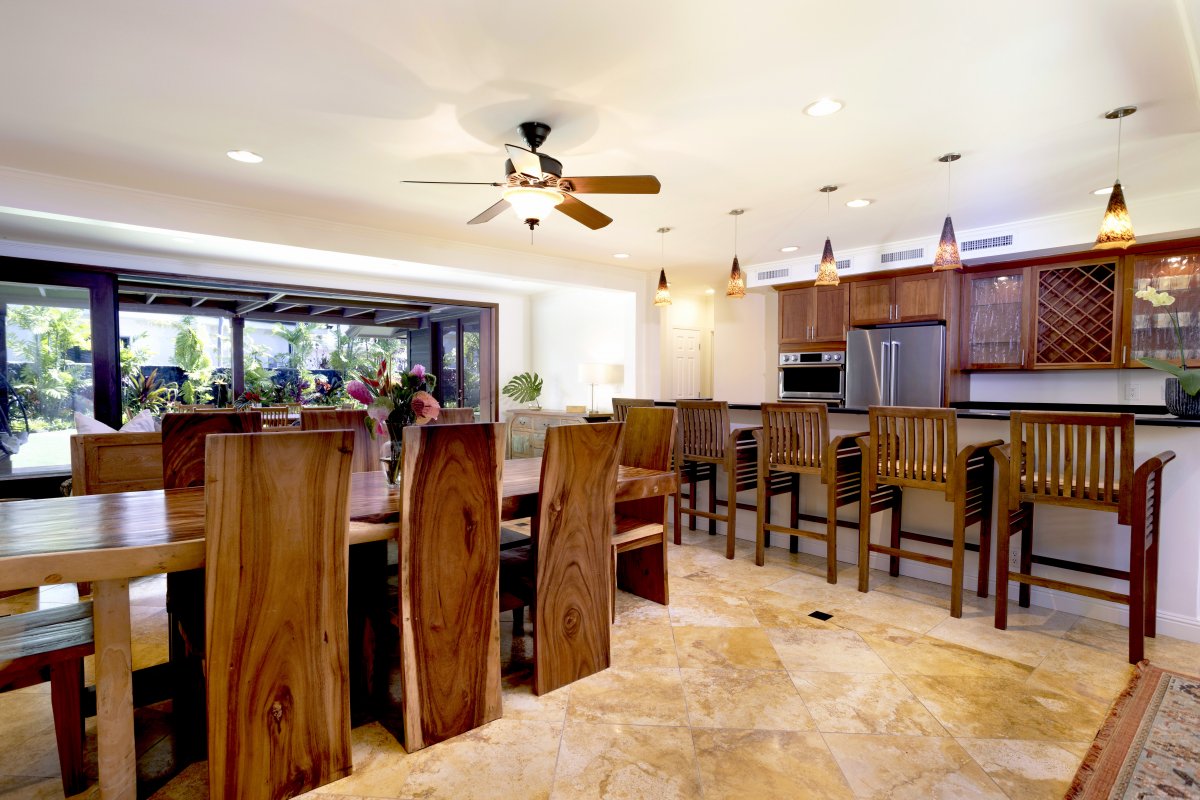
995,320
1076,315
1151,332
814,314
908,298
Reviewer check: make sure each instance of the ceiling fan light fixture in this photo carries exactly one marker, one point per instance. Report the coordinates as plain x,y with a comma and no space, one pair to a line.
1116,229
532,204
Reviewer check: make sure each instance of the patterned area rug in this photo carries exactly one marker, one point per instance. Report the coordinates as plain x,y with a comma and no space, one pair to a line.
1149,747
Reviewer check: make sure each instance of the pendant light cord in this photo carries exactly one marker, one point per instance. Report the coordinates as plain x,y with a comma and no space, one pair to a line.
827,216
949,195
735,222
1120,124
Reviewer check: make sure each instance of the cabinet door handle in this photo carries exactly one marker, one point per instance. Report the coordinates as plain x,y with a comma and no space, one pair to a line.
1124,349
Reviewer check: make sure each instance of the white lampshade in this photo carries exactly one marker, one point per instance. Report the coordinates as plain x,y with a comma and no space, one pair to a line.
603,374
532,202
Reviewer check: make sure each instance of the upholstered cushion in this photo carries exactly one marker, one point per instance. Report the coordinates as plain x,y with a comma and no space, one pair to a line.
142,423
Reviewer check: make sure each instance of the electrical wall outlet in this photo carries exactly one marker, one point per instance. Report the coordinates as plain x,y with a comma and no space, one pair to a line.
1132,393
1014,555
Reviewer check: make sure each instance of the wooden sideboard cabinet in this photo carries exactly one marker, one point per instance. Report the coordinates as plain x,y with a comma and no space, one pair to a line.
527,429
813,314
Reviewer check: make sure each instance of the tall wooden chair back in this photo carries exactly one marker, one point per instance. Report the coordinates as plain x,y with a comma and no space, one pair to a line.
914,447
213,410
449,552
102,463
454,416
183,438
1072,459
640,542
703,429
275,597
621,406
572,537
649,437
275,416
794,437
366,446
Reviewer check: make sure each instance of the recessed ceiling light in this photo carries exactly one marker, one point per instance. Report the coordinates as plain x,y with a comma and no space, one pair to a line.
859,203
1103,190
245,156
823,107
620,255
791,248
710,291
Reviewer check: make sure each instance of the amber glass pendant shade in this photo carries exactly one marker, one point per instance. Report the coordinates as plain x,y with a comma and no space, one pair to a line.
947,250
827,274
1116,229
737,281
662,297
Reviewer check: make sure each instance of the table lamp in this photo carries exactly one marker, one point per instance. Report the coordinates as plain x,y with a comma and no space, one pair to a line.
604,374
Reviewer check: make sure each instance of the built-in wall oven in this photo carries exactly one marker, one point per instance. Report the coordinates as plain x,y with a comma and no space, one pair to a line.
819,377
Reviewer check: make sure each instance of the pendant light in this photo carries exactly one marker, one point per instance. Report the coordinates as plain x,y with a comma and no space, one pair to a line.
662,297
1116,229
737,281
827,273
947,250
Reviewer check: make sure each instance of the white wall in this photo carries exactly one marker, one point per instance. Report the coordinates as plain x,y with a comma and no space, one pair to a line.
569,327
741,348
1134,386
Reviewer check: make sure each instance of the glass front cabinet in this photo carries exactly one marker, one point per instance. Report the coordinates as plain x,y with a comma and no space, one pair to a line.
1152,333
995,335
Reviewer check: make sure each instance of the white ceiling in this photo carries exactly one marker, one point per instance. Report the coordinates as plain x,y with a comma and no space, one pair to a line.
347,99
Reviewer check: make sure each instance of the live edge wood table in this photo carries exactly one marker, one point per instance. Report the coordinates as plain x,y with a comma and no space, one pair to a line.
110,538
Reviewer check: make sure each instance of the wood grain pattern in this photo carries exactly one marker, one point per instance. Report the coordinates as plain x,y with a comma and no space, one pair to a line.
639,547
277,643
572,538
454,416
183,437
366,446
449,556
621,406
103,463
116,753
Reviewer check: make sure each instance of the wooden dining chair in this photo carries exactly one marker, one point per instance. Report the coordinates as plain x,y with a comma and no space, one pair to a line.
449,551
182,453
275,605
49,645
366,446
705,442
275,416
918,448
454,416
103,463
794,441
564,574
1080,460
214,410
621,406
639,543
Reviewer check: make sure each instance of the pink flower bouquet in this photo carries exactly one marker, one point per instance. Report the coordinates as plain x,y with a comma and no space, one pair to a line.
401,400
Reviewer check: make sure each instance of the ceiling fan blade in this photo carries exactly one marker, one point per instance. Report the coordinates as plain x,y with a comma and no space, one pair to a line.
493,210
525,161
612,184
580,211
460,183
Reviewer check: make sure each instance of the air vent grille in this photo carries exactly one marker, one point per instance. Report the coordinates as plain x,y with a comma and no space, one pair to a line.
983,244
843,264
771,274
902,255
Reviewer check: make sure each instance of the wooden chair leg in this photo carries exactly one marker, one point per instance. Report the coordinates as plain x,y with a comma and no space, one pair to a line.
766,534
958,559
731,518
1152,583
894,533
185,615
794,544
985,542
1137,594
678,530
66,688
712,501
831,533
1003,526
762,517
84,588
864,539
692,496
612,591
1023,594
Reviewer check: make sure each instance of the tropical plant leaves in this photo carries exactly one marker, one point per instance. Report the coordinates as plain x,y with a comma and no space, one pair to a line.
1189,379
524,388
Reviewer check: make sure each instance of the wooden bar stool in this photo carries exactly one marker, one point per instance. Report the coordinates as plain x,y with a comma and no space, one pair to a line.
918,448
707,441
276,644
1082,461
795,441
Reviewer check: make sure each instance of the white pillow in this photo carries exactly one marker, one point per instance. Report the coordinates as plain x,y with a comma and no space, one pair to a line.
142,423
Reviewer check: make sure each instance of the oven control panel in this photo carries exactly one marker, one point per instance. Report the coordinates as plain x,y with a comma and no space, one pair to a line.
799,359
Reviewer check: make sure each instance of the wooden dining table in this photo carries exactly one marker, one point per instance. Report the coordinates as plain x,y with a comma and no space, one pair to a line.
109,539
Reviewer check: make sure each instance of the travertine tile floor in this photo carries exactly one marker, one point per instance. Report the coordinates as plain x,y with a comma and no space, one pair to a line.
732,692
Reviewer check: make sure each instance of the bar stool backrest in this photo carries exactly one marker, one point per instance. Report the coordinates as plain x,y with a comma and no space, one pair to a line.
1072,459
275,416
621,406
795,436
703,428
911,447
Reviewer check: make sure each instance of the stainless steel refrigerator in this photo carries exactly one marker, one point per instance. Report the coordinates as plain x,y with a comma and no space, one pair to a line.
900,366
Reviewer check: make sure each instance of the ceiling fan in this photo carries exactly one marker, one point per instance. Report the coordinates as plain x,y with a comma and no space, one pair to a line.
535,185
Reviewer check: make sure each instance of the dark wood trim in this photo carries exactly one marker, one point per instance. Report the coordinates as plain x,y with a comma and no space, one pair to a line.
106,350
237,356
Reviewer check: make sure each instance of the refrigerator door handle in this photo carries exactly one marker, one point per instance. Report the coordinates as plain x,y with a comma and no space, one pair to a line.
884,368
892,379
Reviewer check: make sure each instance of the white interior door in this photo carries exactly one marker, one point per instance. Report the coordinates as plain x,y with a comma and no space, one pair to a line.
685,363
